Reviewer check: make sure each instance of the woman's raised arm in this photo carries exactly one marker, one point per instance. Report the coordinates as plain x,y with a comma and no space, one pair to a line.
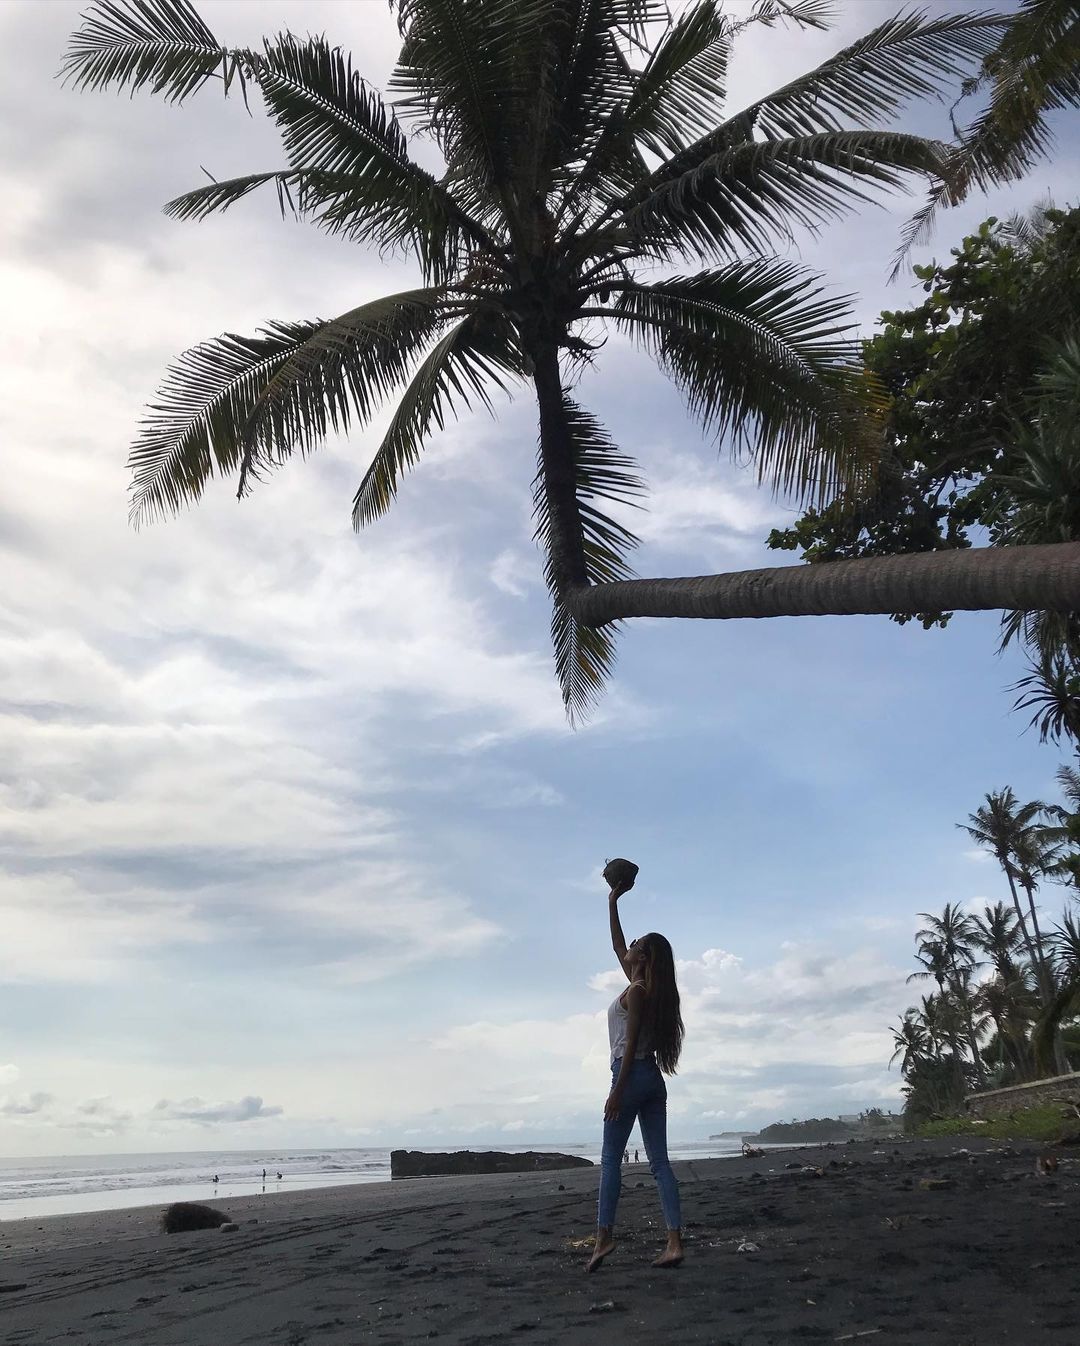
618,939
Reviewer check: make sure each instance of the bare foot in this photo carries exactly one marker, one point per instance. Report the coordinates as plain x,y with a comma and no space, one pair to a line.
604,1245
672,1255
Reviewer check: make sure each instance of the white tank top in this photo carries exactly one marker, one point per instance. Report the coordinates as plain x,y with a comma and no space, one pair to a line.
618,1020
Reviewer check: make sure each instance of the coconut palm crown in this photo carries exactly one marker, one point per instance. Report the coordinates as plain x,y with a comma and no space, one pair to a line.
587,165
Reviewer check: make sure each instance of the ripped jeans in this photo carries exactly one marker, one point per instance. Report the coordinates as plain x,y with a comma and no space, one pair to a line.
644,1101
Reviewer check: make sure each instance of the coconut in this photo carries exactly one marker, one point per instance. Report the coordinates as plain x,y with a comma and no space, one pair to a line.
620,874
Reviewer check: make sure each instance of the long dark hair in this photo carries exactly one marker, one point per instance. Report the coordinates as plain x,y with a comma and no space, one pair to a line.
661,1013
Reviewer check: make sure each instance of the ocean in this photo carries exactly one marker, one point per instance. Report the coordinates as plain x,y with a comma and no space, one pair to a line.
64,1184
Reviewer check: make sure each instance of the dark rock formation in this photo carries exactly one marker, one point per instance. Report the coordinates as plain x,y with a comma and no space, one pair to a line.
182,1216
417,1164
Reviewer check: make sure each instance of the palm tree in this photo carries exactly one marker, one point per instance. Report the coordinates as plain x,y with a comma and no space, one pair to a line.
1063,829
1009,1004
952,938
1035,853
996,826
570,165
1046,1039
912,1043
997,934
1065,939
930,1017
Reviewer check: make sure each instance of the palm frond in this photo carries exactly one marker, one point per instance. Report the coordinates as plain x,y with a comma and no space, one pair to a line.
682,88
1034,71
248,402
130,44
478,354
1052,692
750,193
339,131
458,77
817,14
582,83
761,354
585,656
908,57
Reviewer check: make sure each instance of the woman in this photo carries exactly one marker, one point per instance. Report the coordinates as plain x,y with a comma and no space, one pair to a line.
645,1033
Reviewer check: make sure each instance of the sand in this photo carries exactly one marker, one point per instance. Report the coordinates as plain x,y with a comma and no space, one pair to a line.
862,1253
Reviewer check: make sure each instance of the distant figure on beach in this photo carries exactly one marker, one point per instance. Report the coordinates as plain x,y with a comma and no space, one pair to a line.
279,1177
626,1156
264,1175
645,1035
215,1179
637,1158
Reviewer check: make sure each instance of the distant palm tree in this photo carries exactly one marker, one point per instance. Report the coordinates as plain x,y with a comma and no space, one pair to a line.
997,934
951,937
1065,941
1010,831
912,1043
579,166
1063,828
1046,1039
996,826
1034,855
1012,1008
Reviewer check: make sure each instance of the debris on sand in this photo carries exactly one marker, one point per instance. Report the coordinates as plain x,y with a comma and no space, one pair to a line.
183,1216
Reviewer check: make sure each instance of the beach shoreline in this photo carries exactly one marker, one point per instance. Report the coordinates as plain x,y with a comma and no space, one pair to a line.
845,1239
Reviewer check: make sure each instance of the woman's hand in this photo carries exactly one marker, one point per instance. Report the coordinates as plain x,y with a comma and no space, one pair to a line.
613,1106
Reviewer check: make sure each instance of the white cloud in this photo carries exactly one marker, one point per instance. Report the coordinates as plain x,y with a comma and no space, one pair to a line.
514,572
29,1105
247,1109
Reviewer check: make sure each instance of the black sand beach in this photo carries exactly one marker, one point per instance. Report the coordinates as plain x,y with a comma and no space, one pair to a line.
862,1253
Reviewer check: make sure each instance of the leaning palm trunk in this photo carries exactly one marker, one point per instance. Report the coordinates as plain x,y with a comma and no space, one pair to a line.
1022,578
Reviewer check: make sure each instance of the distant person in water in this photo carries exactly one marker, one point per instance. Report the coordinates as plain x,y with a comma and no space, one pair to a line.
215,1179
264,1175
279,1177
645,1035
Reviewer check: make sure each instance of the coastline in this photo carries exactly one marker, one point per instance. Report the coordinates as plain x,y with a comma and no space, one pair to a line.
861,1246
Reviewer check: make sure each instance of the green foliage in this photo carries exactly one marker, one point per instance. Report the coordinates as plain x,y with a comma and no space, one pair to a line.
1045,1123
961,371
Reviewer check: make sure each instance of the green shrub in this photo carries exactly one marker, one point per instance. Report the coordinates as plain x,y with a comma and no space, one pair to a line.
1046,1123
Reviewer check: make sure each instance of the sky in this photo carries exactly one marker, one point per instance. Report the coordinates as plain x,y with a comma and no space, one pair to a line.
296,845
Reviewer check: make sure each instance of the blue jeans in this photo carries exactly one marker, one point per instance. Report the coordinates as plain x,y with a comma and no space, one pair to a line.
644,1101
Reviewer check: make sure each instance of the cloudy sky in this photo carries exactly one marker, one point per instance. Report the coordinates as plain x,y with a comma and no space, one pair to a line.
296,846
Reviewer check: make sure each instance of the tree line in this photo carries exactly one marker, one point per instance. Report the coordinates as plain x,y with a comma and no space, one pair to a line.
1003,985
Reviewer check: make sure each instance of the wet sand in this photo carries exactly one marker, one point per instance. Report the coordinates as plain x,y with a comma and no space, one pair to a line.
862,1253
